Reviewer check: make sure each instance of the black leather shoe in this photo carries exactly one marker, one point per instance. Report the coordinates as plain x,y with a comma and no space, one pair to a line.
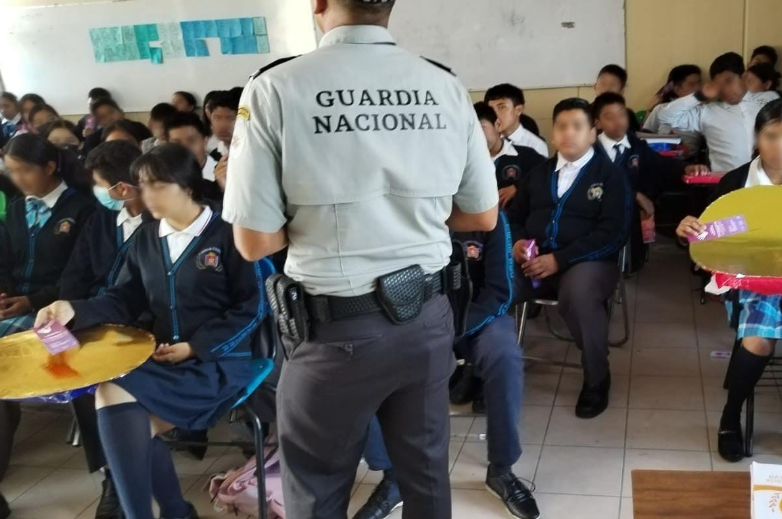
517,497
384,499
463,391
181,435
109,506
192,515
593,401
5,511
730,444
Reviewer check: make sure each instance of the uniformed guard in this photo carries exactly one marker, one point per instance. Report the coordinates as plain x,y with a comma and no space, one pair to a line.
360,156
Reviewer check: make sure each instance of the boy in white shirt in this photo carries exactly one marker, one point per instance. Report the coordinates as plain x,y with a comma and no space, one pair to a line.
508,102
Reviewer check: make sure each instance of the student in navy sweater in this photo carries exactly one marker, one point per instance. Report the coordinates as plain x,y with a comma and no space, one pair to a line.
576,206
39,233
646,169
512,162
187,130
613,78
206,303
490,345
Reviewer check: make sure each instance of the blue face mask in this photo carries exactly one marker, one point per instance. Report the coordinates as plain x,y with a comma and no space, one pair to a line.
103,196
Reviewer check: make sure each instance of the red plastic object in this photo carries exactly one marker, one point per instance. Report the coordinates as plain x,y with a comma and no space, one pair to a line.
703,180
761,285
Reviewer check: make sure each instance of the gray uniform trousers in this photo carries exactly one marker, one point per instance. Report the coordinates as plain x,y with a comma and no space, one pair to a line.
331,387
582,292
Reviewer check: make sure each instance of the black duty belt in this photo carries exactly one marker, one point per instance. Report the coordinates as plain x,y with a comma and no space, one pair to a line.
326,309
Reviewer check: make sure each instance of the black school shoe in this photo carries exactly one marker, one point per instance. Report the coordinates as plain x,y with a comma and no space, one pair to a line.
516,496
181,435
730,441
5,511
593,401
109,506
384,499
192,515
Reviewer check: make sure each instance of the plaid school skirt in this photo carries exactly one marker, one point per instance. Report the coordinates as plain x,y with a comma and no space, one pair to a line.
759,316
20,323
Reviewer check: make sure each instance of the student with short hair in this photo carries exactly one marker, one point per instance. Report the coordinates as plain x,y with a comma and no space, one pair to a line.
26,103
206,305
10,117
758,317
613,78
37,238
576,207
121,131
207,122
87,124
187,130
158,116
63,134
223,108
762,77
512,162
723,111
646,170
508,102
184,102
107,111
40,116
764,54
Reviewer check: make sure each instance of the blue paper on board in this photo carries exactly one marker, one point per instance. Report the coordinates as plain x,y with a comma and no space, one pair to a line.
156,55
263,44
248,28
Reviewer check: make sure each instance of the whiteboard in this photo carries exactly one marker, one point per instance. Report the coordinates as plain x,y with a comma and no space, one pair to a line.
515,41
47,50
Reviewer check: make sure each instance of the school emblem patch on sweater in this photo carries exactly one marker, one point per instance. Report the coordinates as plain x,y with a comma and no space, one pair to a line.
209,259
64,226
473,250
595,192
511,173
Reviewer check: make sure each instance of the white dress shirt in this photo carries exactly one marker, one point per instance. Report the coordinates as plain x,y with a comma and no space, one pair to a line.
610,145
128,223
51,199
567,172
208,171
728,129
524,137
507,149
179,240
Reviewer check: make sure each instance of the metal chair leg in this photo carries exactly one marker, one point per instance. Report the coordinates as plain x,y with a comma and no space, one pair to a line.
749,429
621,299
74,434
522,322
260,461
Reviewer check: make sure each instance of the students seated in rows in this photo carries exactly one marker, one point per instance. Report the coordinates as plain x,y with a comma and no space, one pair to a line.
87,124
764,54
613,78
158,116
41,115
184,102
646,170
762,77
187,130
38,236
26,103
121,131
223,108
205,301
10,117
759,316
65,135
576,206
490,346
508,102
107,111
723,112
512,162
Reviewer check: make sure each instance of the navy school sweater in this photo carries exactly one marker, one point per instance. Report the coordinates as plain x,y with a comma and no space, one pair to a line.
490,261
98,256
210,297
646,169
32,264
510,170
590,222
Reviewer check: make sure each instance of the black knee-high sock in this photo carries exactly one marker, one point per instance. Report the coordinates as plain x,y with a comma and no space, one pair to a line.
10,415
745,371
125,434
165,484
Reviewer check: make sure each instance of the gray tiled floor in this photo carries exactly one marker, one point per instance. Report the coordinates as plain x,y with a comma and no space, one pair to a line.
666,397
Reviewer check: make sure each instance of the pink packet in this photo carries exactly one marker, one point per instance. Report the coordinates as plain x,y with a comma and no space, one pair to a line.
56,337
532,253
648,229
721,228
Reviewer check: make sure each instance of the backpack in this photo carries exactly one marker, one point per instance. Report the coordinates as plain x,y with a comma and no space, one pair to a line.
237,490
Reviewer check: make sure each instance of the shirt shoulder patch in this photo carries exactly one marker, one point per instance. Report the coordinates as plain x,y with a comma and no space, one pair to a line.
273,64
440,66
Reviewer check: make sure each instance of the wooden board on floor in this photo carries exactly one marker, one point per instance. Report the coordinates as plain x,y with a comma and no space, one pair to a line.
669,494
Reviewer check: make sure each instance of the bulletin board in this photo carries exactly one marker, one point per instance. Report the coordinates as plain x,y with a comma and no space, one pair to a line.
144,50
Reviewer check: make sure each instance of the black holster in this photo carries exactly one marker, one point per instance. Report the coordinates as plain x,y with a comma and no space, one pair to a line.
290,313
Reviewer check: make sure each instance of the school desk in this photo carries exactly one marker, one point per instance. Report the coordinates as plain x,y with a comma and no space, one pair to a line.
28,370
669,494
